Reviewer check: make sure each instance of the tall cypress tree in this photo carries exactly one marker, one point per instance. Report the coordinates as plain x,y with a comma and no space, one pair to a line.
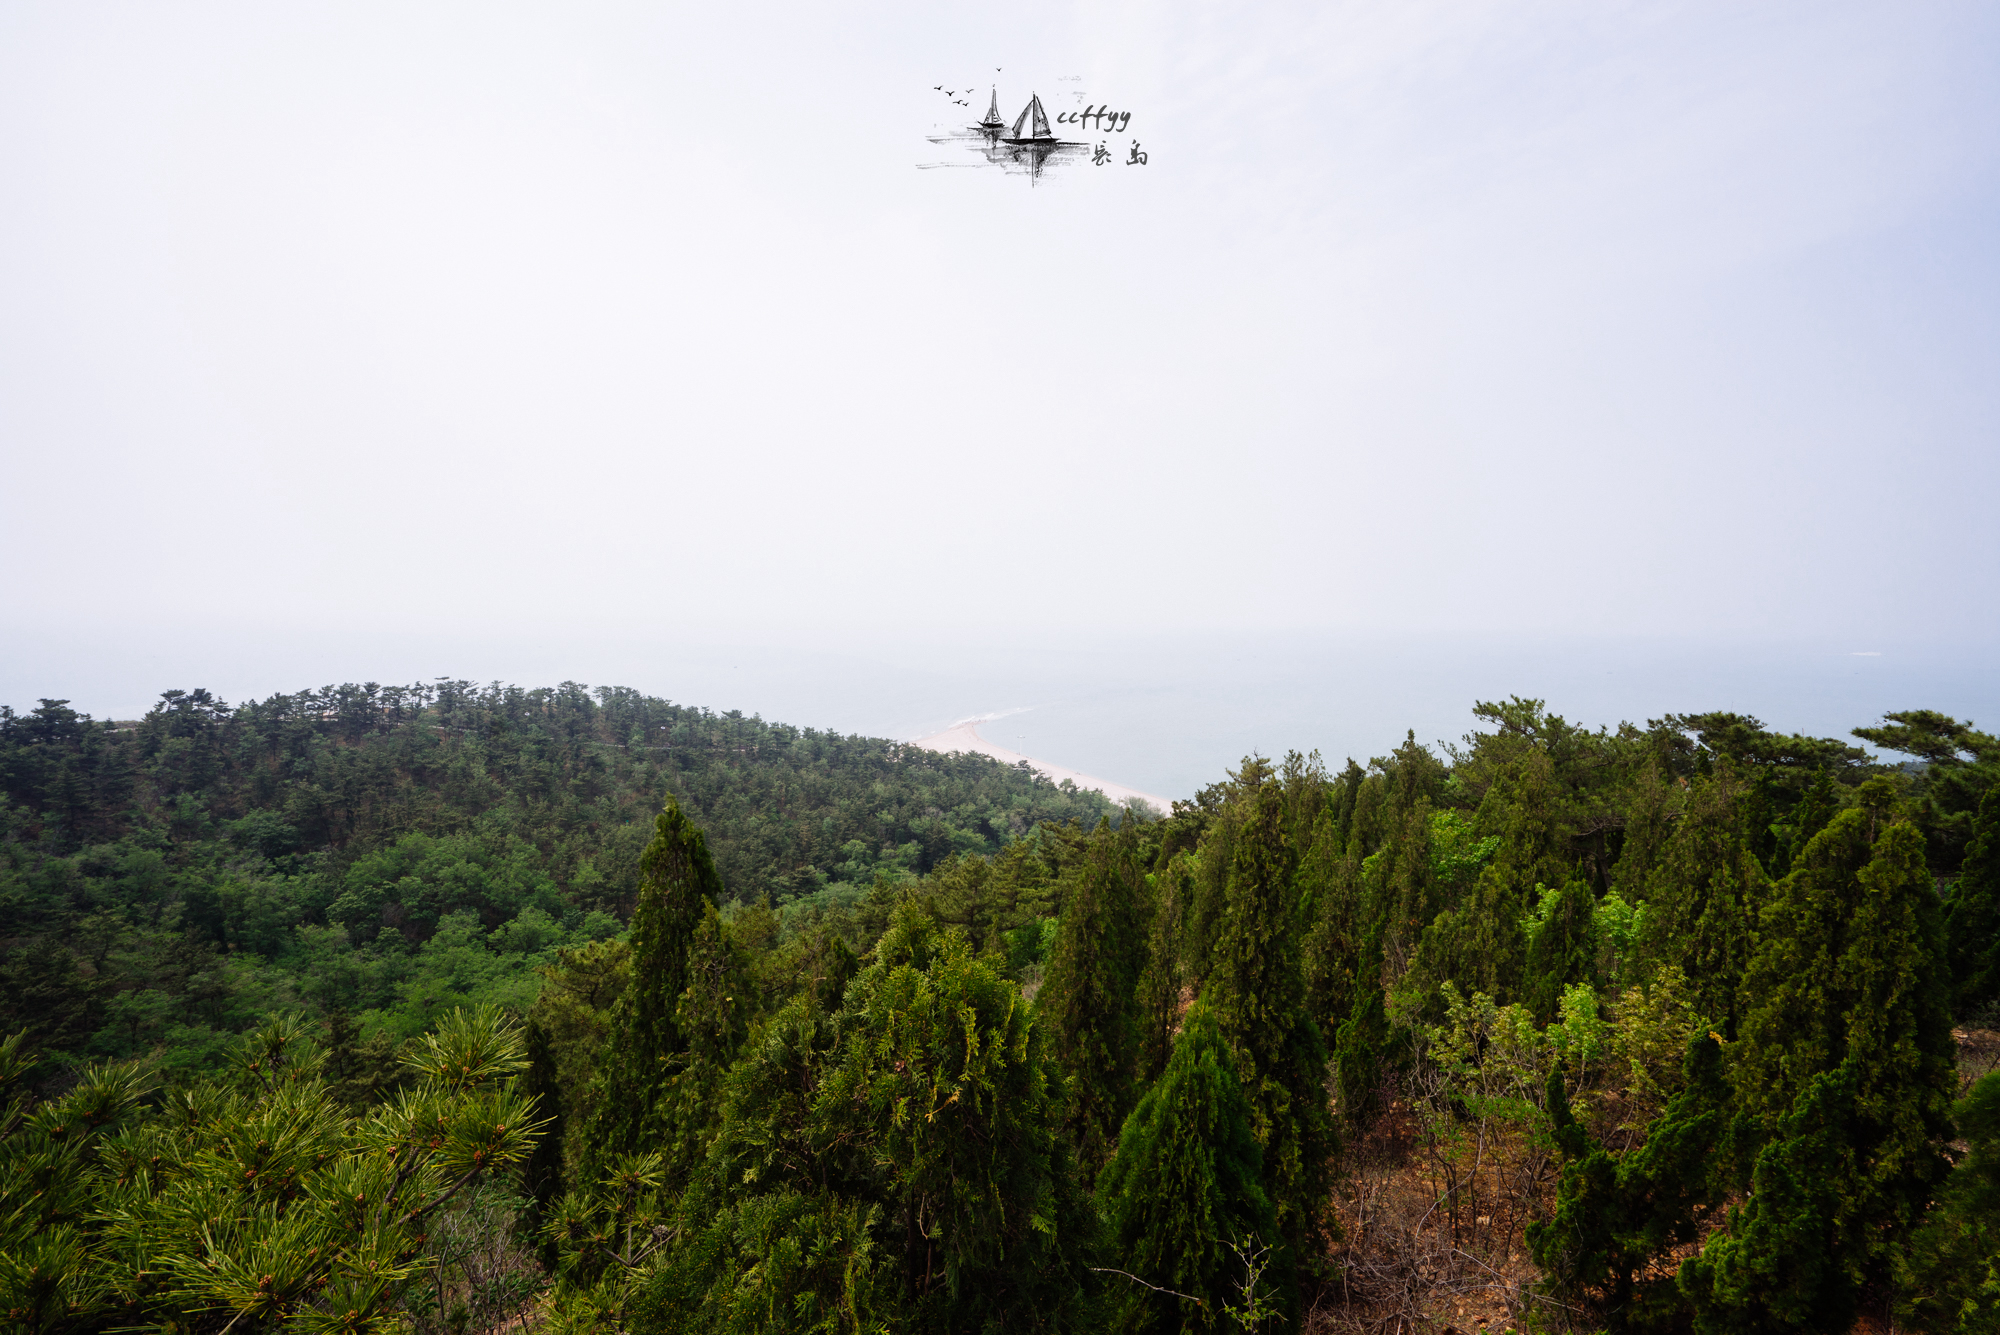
1972,918
1703,898
1090,996
638,1063
1184,1189
1952,1278
1780,1269
1618,1215
1864,1025
1258,990
713,1018
1562,949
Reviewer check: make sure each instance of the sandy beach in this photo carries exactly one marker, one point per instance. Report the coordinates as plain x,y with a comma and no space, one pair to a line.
965,737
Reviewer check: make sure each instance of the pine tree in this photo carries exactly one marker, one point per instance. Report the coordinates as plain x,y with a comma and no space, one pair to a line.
1089,998
637,1064
1258,990
1184,1188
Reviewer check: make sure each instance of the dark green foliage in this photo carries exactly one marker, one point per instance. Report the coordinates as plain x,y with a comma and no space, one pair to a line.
1562,949
1185,1185
647,1046
1617,1216
397,851
1851,967
1951,1279
1089,997
542,1175
1361,1047
1972,916
894,1164
713,1018
1852,1027
1158,1007
1703,898
1257,988
1960,766
1771,774
1816,806
1787,1262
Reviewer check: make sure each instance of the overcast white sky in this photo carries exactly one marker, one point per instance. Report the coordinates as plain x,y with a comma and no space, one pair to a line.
1584,319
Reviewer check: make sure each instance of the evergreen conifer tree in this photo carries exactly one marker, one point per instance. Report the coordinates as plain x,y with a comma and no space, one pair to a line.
1089,997
1780,1268
1703,899
637,1064
1362,1040
713,1017
1258,990
1562,949
1159,993
1951,1280
1972,918
1618,1215
1850,1166
1184,1188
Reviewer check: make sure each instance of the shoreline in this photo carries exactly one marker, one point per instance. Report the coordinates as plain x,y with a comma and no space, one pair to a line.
965,737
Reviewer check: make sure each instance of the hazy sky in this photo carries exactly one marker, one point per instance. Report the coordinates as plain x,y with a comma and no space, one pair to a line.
329,322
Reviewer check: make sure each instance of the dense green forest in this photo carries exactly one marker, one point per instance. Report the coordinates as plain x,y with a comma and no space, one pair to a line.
436,1009
390,853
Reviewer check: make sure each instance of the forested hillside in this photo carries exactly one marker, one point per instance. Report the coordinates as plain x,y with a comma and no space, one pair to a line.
1682,1027
390,852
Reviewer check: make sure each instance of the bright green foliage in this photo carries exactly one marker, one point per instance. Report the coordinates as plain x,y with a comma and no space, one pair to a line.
1184,1187
1618,1215
641,1056
1972,916
892,1164
1089,998
1562,945
1257,988
1951,1280
52,1275
264,1203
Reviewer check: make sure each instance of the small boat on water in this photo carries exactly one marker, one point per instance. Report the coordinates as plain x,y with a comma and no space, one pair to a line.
1034,120
992,120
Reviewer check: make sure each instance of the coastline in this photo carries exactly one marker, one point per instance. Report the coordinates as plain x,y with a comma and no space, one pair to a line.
965,737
